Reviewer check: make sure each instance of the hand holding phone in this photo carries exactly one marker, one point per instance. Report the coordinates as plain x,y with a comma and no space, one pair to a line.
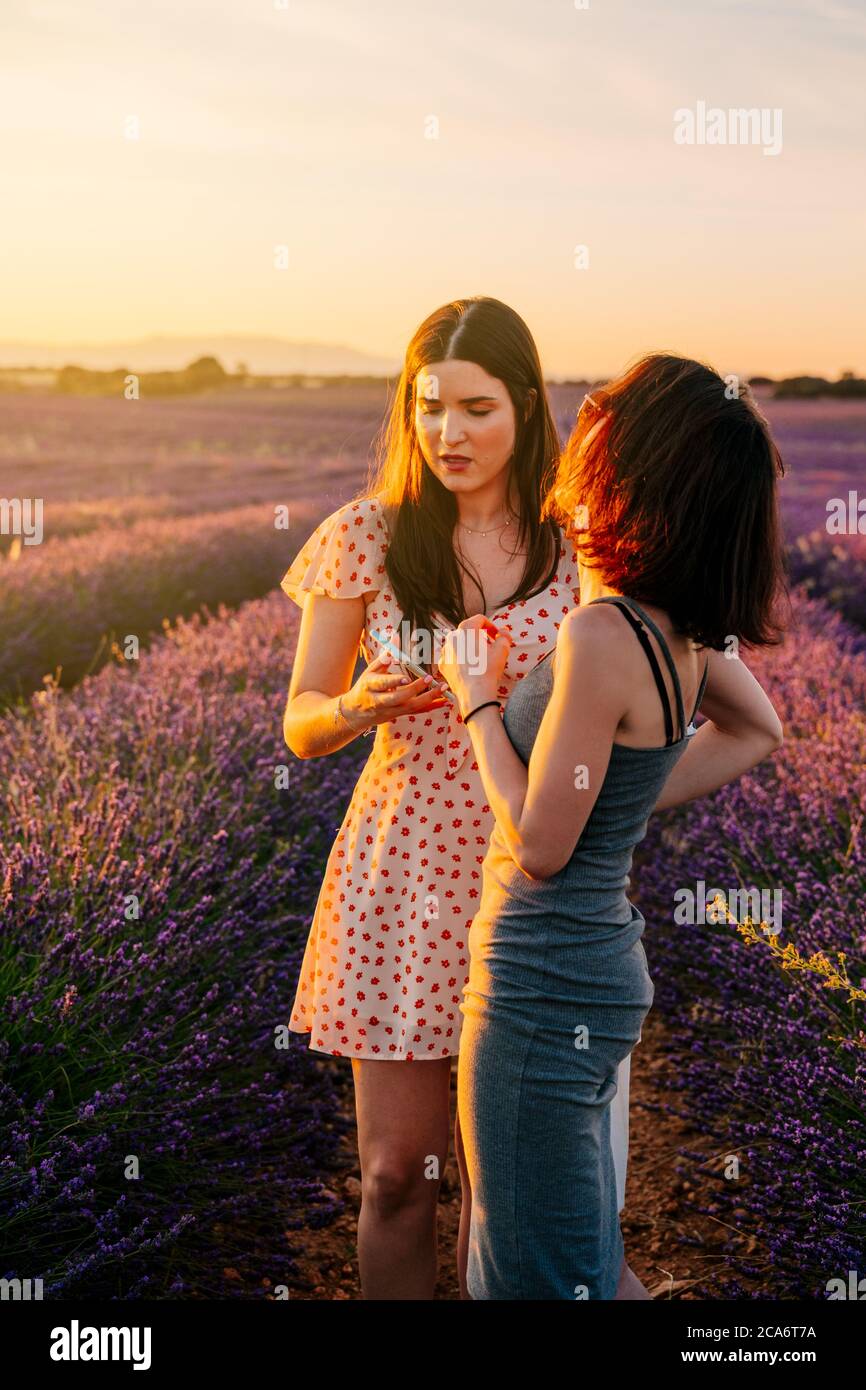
409,667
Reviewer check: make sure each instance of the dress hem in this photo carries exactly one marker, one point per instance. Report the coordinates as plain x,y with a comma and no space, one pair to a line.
368,1056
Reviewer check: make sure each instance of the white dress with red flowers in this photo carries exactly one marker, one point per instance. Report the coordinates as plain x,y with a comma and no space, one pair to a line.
387,958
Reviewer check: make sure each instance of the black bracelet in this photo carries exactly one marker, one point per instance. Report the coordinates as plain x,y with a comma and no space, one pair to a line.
468,716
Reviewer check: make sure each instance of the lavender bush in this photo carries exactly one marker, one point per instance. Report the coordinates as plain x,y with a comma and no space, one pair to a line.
156,890
833,569
771,1055
66,603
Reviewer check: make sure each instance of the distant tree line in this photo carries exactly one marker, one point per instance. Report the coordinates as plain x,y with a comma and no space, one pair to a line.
205,374
847,387
208,374
202,375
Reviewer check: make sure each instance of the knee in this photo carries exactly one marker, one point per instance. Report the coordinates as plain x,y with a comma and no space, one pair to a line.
397,1183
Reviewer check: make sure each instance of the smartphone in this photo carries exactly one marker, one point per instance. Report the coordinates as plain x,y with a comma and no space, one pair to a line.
407,665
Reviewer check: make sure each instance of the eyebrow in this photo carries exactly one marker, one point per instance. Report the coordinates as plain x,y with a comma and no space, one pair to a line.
465,400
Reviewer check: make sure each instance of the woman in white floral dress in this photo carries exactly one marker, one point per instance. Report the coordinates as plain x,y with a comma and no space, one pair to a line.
448,528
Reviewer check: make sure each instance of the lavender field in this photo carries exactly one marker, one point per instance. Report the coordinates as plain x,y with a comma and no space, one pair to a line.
161,1134
153,509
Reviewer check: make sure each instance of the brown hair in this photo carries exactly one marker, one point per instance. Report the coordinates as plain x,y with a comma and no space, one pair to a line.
421,562
675,501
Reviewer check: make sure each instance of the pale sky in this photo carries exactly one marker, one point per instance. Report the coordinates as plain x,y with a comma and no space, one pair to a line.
304,126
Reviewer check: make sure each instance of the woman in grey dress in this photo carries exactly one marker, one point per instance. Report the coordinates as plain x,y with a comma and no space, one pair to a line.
669,488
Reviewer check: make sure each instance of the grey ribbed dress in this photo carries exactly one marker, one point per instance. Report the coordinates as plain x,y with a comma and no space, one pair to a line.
557,992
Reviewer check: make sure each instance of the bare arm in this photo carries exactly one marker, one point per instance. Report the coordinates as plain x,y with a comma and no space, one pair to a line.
742,729
541,809
324,662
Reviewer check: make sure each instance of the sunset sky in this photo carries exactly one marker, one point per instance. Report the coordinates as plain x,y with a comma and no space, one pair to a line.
304,126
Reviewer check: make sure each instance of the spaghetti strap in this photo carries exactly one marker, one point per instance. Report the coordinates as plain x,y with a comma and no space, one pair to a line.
619,600
701,688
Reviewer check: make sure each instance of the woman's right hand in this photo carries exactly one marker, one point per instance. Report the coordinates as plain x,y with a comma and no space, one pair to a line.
380,695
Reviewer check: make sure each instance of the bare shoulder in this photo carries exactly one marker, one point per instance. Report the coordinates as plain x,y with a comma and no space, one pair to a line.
594,627
592,667
590,643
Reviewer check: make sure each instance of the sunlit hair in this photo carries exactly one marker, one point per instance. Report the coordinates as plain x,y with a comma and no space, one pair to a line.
421,564
674,499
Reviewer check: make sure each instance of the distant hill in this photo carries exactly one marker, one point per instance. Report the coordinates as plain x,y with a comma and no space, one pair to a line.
260,355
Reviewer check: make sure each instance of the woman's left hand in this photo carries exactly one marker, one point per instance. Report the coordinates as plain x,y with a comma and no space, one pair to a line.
472,660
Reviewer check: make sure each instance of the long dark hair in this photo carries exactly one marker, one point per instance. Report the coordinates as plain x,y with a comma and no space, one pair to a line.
675,499
421,513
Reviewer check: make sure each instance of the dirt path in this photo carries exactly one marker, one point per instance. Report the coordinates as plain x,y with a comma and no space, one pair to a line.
656,1223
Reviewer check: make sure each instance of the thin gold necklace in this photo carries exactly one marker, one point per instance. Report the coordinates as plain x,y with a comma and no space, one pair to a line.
485,533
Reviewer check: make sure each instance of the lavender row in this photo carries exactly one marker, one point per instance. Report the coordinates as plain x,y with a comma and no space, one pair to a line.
66,604
69,603
767,1026
162,1135
834,569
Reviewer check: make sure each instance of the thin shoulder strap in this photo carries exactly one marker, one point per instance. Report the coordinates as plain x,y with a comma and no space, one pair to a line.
620,601
666,653
701,688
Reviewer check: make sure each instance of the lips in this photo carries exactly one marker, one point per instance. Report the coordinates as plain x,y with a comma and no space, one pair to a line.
455,460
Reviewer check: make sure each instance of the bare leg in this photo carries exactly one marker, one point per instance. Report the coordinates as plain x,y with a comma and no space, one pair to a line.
465,1211
630,1287
402,1111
